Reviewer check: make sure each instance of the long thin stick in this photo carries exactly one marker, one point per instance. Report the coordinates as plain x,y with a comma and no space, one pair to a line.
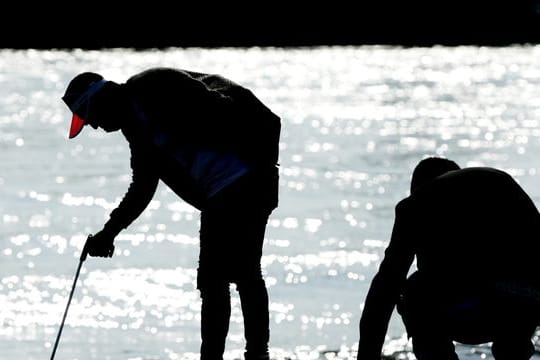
83,257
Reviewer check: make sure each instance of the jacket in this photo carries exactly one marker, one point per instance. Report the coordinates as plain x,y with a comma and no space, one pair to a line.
198,133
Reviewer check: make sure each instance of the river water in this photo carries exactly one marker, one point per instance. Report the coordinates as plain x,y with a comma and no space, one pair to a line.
356,120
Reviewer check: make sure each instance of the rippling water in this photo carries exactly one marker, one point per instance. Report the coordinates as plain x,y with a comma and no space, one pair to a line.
356,120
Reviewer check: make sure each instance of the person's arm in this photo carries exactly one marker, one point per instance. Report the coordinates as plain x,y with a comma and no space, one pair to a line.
385,289
143,186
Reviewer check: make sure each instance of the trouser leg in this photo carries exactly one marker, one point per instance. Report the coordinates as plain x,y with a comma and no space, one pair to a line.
232,235
254,302
215,316
424,324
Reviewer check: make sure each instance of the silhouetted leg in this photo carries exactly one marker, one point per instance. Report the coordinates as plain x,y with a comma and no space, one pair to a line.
215,315
433,347
232,235
252,290
514,344
254,301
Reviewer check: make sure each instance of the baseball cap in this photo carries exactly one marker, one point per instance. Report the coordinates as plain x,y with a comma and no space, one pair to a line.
77,98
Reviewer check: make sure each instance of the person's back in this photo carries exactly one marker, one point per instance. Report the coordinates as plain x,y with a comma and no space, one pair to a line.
474,226
229,117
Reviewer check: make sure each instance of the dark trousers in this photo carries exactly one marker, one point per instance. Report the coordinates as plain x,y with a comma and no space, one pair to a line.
435,322
231,238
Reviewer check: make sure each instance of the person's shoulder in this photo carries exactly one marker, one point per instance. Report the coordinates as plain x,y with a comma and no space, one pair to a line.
404,204
159,73
215,81
481,183
475,171
469,175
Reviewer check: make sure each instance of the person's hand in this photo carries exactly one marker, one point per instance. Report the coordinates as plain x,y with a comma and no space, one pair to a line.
101,244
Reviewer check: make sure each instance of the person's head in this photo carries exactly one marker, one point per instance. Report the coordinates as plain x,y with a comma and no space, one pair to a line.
428,169
92,100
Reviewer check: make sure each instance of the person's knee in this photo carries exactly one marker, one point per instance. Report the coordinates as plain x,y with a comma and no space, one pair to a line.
522,349
251,286
514,342
210,288
250,280
430,346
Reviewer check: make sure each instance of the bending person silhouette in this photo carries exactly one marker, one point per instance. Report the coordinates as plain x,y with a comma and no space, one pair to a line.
475,236
216,146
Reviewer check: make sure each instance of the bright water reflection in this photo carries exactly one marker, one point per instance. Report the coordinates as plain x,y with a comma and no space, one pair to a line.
355,122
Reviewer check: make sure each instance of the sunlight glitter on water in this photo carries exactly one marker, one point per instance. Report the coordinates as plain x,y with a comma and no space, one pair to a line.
355,122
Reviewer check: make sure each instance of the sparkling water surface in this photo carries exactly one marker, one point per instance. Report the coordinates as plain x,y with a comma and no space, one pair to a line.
356,120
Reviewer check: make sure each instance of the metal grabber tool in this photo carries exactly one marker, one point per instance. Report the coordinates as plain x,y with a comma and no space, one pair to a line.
81,260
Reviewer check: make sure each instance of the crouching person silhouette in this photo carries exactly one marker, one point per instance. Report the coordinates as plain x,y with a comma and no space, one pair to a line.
475,235
216,146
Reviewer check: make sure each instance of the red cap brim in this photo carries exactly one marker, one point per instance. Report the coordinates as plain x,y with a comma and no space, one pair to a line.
77,125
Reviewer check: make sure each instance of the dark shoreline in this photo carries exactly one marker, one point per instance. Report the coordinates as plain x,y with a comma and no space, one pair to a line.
397,23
